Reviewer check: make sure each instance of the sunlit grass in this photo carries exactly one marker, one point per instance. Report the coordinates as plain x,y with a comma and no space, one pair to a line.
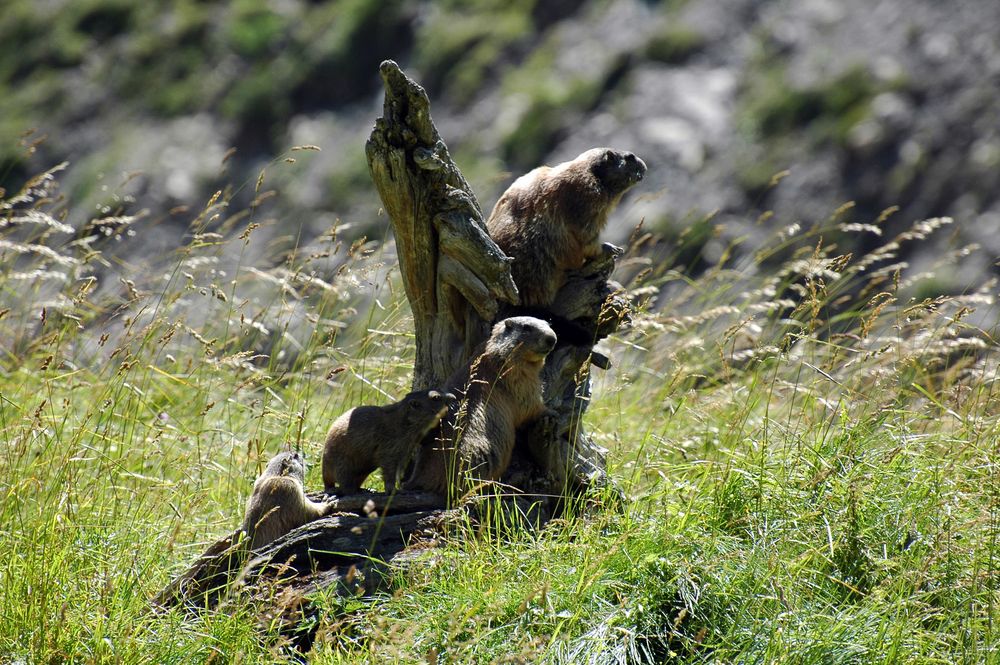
806,440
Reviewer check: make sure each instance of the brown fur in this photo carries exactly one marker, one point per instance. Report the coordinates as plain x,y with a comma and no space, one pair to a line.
501,390
279,503
380,437
549,219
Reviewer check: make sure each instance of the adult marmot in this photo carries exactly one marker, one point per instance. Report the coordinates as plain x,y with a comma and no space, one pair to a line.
279,503
549,220
500,391
380,437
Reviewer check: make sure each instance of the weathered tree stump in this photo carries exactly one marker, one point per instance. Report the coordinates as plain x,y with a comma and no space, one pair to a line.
361,526
454,274
457,281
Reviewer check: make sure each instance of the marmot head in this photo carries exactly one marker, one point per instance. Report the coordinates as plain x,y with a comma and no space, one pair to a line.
530,338
289,463
616,170
426,406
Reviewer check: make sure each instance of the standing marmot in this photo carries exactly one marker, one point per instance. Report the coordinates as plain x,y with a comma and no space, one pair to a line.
502,390
549,220
380,437
279,503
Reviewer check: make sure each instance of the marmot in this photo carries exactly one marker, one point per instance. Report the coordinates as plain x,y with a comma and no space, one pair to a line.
501,390
279,503
380,437
549,219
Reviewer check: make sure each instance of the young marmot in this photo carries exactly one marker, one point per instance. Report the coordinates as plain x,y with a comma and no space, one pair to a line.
549,219
380,437
279,503
501,390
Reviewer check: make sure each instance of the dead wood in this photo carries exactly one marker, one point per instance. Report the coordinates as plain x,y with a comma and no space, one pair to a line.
457,279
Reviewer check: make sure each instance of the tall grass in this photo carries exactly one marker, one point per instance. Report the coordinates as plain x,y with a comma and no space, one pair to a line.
807,444
138,402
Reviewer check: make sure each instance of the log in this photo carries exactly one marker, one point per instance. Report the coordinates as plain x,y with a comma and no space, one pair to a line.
205,582
339,540
363,524
373,504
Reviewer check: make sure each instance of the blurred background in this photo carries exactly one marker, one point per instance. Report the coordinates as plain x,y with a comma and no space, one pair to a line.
741,109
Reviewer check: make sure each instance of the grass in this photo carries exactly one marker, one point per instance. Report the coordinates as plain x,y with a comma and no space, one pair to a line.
808,451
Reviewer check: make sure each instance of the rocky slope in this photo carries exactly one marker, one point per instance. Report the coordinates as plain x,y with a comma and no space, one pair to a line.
880,102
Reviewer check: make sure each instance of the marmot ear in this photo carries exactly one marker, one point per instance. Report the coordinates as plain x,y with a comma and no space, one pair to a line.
600,166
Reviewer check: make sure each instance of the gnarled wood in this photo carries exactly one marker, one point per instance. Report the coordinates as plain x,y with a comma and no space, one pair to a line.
457,280
433,212
339,540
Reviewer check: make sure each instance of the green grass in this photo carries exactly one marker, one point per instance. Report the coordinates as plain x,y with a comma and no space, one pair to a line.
809,455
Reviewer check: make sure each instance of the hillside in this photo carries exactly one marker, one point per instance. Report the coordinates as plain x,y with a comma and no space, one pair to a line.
801,421
887,104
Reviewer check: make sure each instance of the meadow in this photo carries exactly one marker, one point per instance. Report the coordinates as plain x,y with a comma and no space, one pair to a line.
806,440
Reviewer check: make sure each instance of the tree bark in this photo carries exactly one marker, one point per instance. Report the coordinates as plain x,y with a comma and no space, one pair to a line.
457,280
454,275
